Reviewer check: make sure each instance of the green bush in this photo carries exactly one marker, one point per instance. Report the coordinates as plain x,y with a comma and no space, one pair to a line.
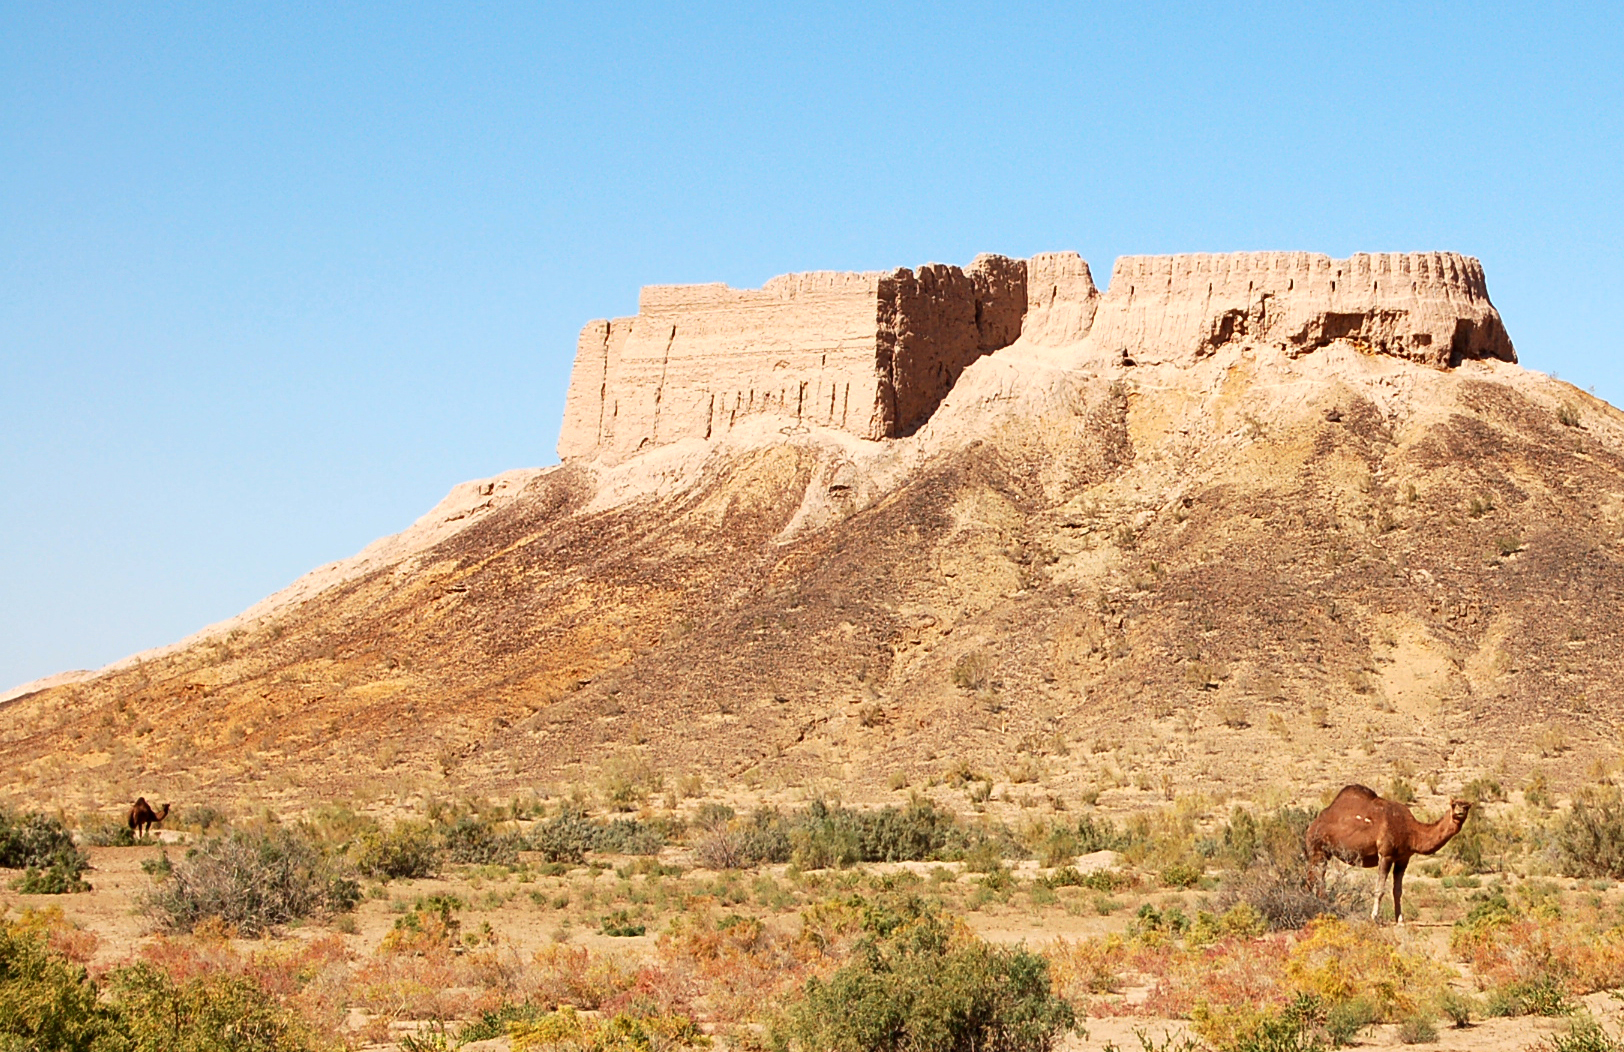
564,838
206,1013
1542,996
1346,1018
32,840
1299,1027
629,836
47,1003
912,987
473,840
41,845
1105,880
1457,1008
1417,1029
60,878
1100,835
1584,1035
1590,839
406,851
252,881
620,925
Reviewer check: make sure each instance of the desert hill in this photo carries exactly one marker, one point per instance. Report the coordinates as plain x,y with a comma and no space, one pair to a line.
1262,522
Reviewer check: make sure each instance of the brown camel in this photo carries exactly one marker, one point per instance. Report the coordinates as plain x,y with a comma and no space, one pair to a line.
143,817
1362,829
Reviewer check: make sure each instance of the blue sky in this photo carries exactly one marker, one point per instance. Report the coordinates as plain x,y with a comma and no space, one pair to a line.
272,279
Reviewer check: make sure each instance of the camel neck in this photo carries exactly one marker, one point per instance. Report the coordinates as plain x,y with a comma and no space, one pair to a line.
1431,836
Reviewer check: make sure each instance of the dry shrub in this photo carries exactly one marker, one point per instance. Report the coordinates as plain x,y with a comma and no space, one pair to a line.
1236,971
62,936
1085,967
251,881
1590,840
739,962
1340,962
310,978
565,1030
574,975
1510,953
1280,893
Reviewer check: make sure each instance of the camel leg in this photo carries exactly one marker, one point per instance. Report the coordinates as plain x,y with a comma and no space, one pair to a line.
1398,890
1383,868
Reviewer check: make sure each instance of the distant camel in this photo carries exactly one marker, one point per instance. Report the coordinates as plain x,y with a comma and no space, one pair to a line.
1362,829
143,817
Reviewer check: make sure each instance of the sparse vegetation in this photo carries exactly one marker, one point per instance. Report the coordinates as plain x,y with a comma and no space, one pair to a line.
915,983
1590,840
251,881
41,846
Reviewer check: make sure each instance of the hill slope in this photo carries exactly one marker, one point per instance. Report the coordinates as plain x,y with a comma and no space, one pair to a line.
1085,574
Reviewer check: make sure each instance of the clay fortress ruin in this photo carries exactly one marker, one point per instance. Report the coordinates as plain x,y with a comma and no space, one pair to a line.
873,354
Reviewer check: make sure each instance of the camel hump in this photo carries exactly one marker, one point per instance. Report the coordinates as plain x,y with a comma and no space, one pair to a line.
1356,791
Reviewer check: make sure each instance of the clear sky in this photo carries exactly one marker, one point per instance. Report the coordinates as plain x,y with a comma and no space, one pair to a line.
273,278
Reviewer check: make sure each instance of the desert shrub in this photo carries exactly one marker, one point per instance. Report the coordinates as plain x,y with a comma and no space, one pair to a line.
32,840
1540,996
1417,1029
202,818
1100,835
972,671
619,924
205,1013
431,924
630,836
565,838
1239,921
1295,1027
1590,839
41,845
1584,1035
497,1022
1275,837
1337,962
1106,880
628,781
405,851
824,836
251,881
1456,1007
47,1002
473,840
564,1030
712,815
1281,894
1181,875
105,831
62,877
1534,961
1344,1021
916,983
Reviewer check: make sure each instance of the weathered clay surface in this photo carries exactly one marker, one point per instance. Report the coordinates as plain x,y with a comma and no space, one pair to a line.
1428,307
874,354
870,354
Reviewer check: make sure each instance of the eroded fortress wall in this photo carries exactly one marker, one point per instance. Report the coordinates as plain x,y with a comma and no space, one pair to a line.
1428,307
871,354
874,354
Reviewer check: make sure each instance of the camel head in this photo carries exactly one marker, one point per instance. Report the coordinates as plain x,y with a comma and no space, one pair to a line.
163,812
1458,810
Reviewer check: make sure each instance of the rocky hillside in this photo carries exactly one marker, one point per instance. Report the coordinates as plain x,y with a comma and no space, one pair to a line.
1273,544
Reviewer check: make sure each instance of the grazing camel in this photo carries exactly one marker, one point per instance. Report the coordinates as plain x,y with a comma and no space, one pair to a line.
1362,829
143,817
